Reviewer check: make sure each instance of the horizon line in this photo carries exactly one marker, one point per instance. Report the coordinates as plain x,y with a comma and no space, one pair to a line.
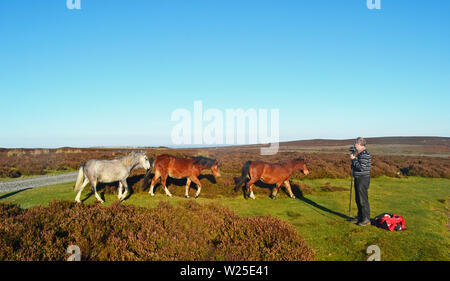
214,146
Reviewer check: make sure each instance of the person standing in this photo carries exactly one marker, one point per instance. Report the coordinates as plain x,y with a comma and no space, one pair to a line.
361,165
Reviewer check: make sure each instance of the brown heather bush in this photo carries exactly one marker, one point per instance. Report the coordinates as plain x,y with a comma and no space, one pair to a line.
190,232
320,165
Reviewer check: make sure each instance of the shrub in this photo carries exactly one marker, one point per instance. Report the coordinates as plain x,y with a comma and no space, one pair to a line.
190,232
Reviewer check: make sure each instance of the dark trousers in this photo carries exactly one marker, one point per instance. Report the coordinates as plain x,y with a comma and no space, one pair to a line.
362,197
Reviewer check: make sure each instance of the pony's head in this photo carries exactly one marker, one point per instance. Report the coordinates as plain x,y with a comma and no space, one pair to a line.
215,169
300,164
144,161
209,163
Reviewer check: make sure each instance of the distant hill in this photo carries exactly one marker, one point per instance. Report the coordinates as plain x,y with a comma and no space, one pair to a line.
407,146
370,141
412,146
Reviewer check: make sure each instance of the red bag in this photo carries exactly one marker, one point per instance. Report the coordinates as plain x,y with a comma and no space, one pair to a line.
391,222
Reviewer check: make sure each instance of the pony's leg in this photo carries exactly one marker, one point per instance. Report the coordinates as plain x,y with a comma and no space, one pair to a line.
250,188
124,183
120,190
288,186
85,182
275,191
163,182
252,195
199,186
152,186
96,194
188,184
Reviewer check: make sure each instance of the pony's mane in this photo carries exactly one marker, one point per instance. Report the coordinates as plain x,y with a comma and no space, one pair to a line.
127,159
204,161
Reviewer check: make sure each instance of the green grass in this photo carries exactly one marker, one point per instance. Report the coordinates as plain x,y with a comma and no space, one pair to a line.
319,218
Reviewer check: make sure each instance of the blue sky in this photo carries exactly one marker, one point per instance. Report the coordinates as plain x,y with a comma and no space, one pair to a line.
113,72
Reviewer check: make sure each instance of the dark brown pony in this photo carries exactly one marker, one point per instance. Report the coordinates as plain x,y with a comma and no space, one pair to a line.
271,174
179,168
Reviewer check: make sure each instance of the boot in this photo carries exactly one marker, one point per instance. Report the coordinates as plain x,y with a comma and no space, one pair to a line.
364,222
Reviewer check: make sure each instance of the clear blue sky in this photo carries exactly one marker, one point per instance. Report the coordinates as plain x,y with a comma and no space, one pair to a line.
113,72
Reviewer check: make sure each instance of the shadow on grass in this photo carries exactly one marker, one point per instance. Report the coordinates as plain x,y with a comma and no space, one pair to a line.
295,188
133,185
12,193
299,194
315,206
323,208
101,187
172,181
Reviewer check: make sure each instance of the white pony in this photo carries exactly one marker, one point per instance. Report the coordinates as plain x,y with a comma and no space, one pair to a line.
108,171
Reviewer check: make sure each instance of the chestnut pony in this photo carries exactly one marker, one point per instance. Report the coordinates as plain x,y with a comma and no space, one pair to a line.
179,168
271,174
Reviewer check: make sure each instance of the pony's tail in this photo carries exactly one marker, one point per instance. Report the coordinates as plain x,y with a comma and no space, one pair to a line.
80,179
152,163
243,178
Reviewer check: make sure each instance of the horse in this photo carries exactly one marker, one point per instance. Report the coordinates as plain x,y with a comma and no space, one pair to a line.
179,168
278,174
108,171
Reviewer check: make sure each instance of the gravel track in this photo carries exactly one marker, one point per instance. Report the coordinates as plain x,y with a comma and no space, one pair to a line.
20,184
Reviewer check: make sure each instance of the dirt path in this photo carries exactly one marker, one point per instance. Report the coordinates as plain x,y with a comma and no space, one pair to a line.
15,185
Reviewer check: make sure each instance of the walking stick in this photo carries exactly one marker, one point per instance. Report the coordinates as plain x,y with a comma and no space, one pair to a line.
354,151
351,189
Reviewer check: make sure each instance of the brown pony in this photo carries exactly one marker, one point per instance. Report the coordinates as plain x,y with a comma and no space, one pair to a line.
271,174
179,168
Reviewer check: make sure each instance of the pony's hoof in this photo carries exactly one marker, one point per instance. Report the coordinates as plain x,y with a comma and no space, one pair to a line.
187,196
273,197
152,194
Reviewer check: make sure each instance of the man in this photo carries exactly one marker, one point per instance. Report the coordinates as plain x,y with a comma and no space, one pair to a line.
361,164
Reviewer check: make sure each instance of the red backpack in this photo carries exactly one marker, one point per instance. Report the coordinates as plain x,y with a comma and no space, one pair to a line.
391,222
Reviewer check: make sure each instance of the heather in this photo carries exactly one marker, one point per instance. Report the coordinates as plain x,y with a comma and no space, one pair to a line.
188,231
335,163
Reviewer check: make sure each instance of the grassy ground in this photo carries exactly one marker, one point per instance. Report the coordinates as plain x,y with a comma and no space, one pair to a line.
320,216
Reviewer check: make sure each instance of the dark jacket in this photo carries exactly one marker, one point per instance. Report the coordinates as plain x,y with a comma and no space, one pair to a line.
362,164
